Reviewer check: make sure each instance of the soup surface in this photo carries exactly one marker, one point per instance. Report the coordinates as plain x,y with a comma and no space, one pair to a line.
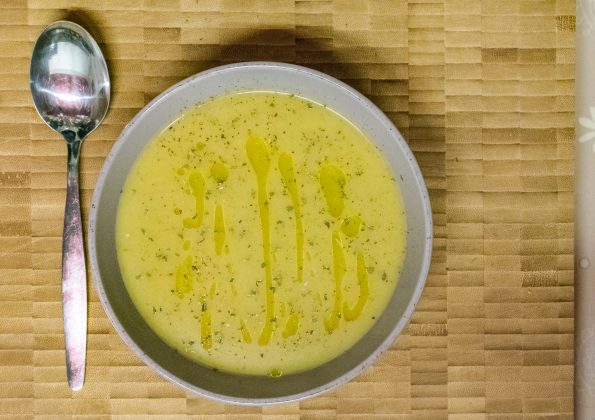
260,233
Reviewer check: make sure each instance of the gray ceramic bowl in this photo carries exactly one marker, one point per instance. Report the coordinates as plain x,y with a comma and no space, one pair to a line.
162,111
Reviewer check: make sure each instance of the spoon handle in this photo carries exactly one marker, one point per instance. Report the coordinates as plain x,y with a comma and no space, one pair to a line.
74,277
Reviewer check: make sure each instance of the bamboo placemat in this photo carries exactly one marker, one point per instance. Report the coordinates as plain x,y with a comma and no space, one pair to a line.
483,92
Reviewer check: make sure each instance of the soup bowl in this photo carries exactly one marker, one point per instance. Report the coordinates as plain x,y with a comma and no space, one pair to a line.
161,112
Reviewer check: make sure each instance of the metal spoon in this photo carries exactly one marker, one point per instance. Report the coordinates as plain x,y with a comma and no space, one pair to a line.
71,91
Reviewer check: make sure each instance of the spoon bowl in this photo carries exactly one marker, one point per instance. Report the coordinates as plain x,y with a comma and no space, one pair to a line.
70,86
69,80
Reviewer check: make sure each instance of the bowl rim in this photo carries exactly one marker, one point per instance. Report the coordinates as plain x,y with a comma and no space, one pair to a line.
395,331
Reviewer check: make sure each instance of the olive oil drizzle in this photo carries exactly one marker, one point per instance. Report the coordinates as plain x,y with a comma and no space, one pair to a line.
288,175
339,271
291,326
219,229
332,180
259,158
352,314
245,332
197,185
184,277
220,173
352,225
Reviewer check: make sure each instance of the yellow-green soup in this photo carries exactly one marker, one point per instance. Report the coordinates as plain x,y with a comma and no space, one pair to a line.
260,233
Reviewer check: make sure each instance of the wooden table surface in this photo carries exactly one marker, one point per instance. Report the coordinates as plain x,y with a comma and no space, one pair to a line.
483,92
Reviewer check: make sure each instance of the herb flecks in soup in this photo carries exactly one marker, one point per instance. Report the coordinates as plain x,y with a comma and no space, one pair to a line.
260,233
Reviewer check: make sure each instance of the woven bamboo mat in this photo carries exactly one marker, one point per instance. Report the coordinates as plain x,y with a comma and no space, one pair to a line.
483,92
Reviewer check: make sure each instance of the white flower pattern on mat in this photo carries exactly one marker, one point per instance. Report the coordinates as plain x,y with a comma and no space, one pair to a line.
588,123
585,378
